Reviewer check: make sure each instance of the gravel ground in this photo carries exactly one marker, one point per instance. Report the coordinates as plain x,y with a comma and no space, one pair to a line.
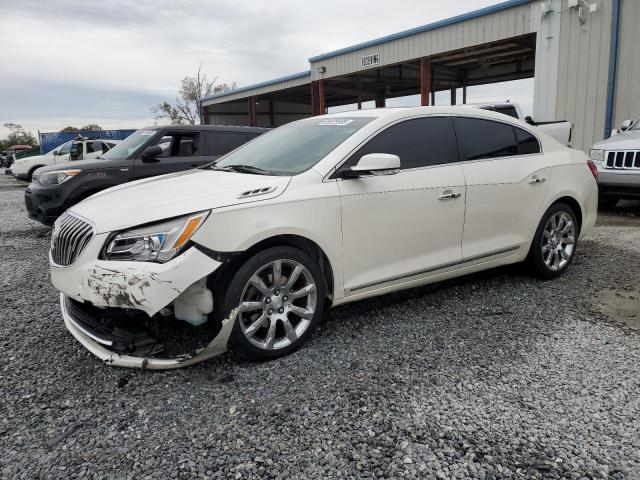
493,376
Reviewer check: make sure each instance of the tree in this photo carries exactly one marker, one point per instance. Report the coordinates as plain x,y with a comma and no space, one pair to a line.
91,126
18,136
185,110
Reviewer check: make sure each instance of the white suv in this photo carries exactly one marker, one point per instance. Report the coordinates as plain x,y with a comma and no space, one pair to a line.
318,212
79,149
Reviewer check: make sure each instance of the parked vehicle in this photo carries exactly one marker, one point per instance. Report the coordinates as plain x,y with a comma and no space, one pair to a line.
33,151
319,212
558,129
8,156
618,162
146,153
79,149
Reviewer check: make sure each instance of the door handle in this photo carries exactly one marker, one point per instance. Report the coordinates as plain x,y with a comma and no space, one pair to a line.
449,195
536,179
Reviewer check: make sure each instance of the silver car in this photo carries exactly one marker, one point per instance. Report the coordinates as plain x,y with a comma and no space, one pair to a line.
618,162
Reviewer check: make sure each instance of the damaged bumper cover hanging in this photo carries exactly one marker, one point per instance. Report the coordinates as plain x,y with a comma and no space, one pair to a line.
103,346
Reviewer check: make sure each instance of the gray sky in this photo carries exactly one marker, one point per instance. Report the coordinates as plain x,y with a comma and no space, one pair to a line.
109,61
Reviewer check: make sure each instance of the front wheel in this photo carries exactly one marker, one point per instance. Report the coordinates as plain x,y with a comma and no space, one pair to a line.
280,293
555,241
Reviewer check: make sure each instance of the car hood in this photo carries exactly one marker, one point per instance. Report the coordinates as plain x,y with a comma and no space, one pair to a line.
172,195
629,140
94,164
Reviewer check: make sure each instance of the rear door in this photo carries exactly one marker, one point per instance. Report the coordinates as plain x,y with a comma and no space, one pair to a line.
507,181
181,150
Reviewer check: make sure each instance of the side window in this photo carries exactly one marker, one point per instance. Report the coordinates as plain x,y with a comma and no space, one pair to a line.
420,142
93,147
510,111
527,143
179,145
221,143
481,138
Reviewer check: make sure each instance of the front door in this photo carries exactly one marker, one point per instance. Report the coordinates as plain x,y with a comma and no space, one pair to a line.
507,182
399,228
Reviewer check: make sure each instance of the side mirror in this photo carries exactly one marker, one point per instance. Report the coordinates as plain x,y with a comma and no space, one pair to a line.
529,120
626,125
374,164
150,153
56,152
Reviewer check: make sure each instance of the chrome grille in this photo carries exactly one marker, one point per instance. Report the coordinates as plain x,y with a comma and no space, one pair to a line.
69,238
623,159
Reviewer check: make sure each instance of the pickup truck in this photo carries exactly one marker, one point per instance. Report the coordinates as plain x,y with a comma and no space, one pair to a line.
558,129
618,161
79,149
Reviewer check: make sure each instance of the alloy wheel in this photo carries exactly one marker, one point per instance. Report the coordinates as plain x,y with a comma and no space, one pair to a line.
277,304
558,241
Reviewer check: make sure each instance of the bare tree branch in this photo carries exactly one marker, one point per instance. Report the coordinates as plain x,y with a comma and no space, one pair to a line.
185,108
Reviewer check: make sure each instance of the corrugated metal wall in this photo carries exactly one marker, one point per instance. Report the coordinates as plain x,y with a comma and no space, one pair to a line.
583,72
627,99
236,113
259,90
496,26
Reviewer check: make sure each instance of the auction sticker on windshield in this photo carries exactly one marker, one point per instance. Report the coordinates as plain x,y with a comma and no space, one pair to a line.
336,121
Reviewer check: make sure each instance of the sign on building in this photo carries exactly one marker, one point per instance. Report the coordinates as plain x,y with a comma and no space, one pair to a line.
370,60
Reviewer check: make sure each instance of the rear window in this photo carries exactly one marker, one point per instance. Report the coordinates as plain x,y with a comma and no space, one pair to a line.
481,138
221,143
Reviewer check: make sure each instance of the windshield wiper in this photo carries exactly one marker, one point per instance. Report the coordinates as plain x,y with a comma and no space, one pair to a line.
244,169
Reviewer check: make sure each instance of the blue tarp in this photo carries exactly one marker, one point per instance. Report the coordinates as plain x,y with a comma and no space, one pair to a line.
49,141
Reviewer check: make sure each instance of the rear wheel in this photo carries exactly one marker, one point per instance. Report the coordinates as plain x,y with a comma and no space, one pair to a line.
555,241
280,293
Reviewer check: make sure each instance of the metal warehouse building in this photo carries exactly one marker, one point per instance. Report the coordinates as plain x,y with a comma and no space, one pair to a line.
582,54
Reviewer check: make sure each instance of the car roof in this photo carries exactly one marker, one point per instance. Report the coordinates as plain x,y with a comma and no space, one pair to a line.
221,128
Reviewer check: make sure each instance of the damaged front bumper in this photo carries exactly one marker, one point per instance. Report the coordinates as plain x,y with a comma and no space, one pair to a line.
145,286
94,291
100,345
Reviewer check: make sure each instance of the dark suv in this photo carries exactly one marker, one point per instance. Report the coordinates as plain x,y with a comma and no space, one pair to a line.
146,153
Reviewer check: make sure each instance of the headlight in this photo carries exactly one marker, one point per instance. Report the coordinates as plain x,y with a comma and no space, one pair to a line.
57,177
159,242
596,155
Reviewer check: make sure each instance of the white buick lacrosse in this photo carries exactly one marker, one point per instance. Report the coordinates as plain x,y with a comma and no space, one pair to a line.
253,249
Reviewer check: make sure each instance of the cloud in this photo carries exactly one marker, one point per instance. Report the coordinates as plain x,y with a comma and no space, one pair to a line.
115,59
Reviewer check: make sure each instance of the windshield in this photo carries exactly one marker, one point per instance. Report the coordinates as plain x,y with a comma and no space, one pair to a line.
294,147
129,145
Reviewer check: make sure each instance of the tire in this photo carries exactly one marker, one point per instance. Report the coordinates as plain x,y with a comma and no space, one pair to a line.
559,243
30,174
270,324
607,202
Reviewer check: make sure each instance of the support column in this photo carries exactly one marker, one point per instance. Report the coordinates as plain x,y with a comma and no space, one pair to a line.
433,97
425,80
321,104
272,119
315,99
453,95
359,93
464,95
253,117
380,101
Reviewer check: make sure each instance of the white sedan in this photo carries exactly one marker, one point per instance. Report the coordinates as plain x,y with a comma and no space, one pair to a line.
317,213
